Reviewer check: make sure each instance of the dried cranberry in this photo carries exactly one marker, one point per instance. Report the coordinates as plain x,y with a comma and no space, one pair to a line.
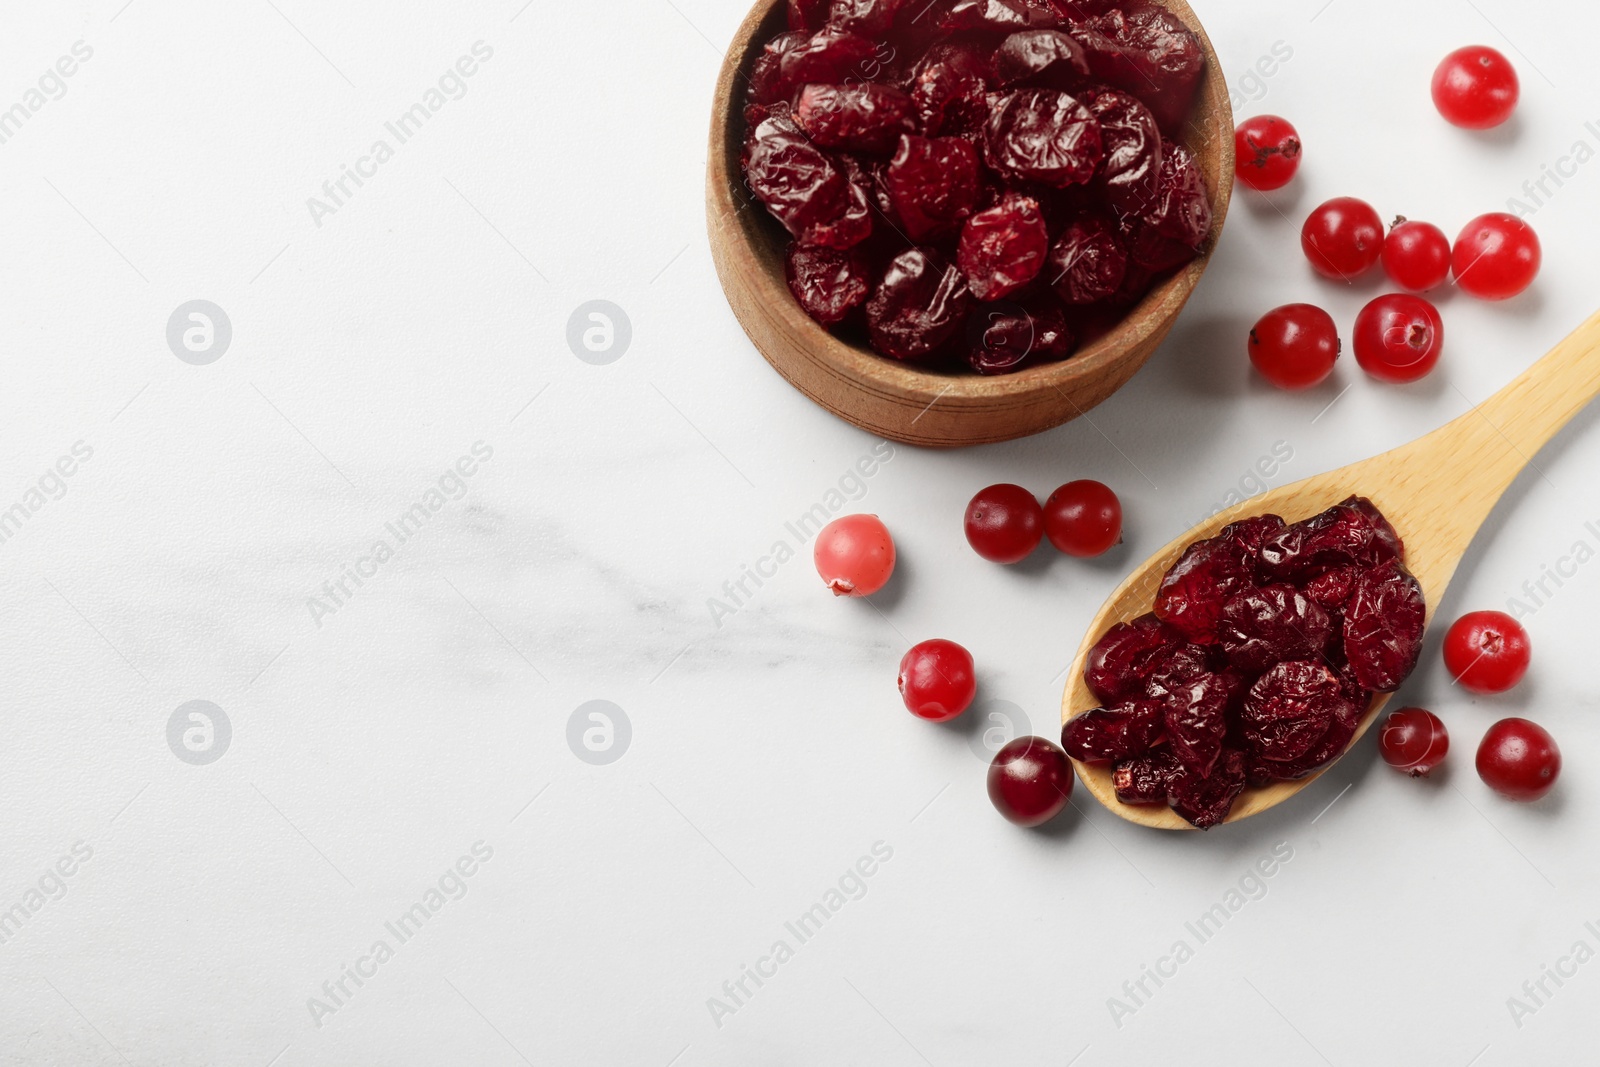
1110,734
1332,590
1205,800
1383,627
1290,709
1176,669
807,16
950,89
767,83
1260,627
1002,249
1042,135
1347,534
1045,58
1087,261
802,188
1145,50
830,57
1152,250
935,184
1197,720
1346,718
871,18
828,283
1145,779
1130,174
918,306
1119,666
995,14
1005,336
1206,576
1182,208
865,117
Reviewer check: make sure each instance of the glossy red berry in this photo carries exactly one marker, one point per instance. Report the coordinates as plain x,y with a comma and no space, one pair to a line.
1519,759
1343,238
1414,741
1266,152
1398,338
1487,651
937,680
1083,518
1004,523
1295,346
855,555
1416,255
1496,256
1030,781
1476,88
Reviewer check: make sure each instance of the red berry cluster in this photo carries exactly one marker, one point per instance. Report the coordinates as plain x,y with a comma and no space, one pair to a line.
1398,337
1486,652
977,182
1257,663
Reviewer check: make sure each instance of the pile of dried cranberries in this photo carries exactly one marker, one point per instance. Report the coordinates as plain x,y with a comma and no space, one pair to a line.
1262,655
977,182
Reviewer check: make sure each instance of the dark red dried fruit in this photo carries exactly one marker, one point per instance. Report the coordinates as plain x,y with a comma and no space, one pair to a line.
1041,135
1348,534
1131,172
1206,800
1332,590
1006,336
1087,262
1145,50
1003,249
1333,744
1383,627
1148,248
950,89
1260,627
767,85
802,188
1206,576
1110,734
1045,58
828,283
807,16
994,14
1146,779
832,56
1197,720
917,307
935,184
1120,664
1289,710
1182,208
871,18
866,117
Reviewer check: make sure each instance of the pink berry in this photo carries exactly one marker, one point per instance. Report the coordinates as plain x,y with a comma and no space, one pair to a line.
855,555
937,680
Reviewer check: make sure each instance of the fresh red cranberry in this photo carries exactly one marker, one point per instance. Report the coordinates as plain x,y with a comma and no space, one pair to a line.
1295,346
1496,256
1004,523
1475,88
1487,652
1398,338
1519,759
1343,238
1083,518
855,555
1416,255
1267,152
937,680
1030,781
1414,741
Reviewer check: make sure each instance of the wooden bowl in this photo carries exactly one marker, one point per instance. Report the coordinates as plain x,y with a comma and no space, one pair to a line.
901,401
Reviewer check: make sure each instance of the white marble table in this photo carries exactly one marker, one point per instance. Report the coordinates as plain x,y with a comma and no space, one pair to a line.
395,764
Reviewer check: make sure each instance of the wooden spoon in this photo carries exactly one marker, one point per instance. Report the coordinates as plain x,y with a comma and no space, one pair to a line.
1437,491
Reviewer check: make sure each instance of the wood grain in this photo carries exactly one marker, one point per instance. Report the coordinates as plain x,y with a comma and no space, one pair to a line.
1437,491
903,402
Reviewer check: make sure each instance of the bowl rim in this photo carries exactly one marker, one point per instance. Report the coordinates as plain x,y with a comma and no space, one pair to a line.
892,379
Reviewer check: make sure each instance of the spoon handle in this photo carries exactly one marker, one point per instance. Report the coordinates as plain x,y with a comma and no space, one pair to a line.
1461,470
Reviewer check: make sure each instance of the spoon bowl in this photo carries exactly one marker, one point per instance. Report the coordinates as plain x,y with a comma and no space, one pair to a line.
1437,492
